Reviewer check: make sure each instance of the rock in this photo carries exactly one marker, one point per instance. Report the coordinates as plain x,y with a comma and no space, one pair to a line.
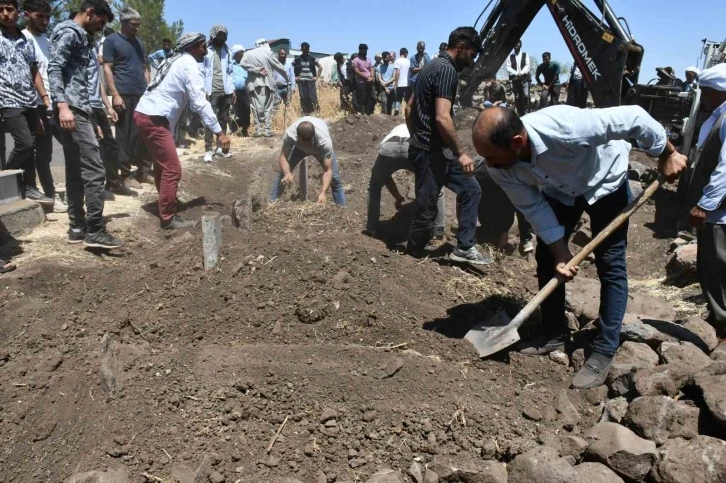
52,362
630,357
678,242
614,410
636,170
342,280
719,354
471,471
118,475
659,418
44,429
416,472
654,332
391,368
321,478
684,361
659,380
636,188
706,333
272,461
596,395
596,473
204,470
578,359
683,262
621,450
216,477
384,476
532,413
712,384
182,473
541,465
369,416
567,412
684,353
431,476
327,415
700,460
312,312
572,446
560,358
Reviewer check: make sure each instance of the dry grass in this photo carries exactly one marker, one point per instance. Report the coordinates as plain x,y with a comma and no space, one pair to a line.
328,99
675,296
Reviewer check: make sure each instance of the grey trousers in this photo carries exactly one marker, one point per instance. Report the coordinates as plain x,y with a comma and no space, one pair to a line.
85,175
261,101
712,272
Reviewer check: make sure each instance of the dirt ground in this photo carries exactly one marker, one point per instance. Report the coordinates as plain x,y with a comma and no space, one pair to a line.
143,360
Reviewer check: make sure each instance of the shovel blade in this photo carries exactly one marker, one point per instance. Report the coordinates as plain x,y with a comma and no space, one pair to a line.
493,335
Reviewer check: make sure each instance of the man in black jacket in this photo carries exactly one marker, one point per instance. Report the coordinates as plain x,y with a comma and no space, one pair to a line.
306,75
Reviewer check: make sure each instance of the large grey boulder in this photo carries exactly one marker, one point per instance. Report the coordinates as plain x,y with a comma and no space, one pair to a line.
659,418
719,354
669,378
712,383
596,473
621,450
541,465
699,460
706,333
567,413
683,263
652,331
684,353
631,357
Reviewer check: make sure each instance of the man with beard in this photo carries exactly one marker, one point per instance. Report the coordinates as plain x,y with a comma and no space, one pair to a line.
436,152
219,84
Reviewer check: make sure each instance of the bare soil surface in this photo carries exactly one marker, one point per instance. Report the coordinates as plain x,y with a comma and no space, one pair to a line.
141,359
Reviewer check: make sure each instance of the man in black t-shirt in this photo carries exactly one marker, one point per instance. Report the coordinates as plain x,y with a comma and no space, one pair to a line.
550,94
437,153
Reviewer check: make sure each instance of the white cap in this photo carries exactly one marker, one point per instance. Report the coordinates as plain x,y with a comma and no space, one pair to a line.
695,70
260,42
713,77
237,48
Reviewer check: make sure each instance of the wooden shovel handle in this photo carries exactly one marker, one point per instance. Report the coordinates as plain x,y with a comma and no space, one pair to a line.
547,290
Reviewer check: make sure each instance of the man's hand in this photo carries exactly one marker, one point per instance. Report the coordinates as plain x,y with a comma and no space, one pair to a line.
99,132
467,164
223,141
46,101
234,98
562,256
672,165
118,104
321,198
39,128
315,79
114,116
66,119
400,202
263,71
288,178
698,217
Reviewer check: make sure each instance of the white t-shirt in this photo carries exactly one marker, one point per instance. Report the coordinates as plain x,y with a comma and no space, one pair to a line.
402,66
42,54
398,134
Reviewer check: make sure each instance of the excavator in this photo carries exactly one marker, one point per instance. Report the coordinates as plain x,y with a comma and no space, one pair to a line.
603,48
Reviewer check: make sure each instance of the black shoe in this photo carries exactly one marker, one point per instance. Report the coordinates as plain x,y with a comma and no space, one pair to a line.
178,223
102,239
33,194
122,190
108,196
145,178
76,235
542,346
594,372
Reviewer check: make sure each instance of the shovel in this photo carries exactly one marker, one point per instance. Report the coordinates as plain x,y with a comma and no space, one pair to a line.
499,332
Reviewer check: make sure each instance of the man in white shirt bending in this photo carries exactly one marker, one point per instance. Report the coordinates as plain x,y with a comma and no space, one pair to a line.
178,84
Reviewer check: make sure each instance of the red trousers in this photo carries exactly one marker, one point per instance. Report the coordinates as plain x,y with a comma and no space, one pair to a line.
159,139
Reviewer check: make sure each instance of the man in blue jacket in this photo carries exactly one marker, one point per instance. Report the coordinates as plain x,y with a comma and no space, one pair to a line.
219,84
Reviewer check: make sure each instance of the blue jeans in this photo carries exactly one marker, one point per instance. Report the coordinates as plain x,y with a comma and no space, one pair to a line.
609,260
433,172
296,155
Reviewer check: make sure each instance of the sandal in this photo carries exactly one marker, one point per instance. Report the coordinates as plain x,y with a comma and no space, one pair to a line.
6,267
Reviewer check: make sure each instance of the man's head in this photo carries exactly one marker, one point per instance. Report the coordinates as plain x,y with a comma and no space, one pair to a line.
93,15
218,35
194,44
362,51
403,52
305,48
493,82
517,46
692,73
130,22
499,135
421,47
37,14
305,134
386,57
442,47
238,51
712,82
339,59
463,46
9,13
166,45
378,58
546,57
282,56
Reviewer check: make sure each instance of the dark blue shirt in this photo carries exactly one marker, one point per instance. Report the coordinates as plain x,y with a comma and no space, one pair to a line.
129,62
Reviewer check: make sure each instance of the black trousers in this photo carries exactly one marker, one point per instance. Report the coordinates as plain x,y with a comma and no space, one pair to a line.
711,263
20,123
43,154
308,96
403,93
364,97
132,150
85,174
221,103
109,149
388,100
577,93
242,111
521,95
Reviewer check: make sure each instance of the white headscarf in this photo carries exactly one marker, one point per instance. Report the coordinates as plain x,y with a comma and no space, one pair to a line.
713,77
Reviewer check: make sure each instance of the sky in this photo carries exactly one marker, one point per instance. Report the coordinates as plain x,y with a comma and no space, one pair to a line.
669,30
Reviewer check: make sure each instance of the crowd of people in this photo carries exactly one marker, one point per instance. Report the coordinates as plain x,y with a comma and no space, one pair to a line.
551,166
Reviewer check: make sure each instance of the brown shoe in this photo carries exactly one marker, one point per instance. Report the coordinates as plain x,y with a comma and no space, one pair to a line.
145,178
132,183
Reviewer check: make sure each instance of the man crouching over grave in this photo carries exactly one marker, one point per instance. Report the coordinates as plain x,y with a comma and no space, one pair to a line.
556,164
308,136
178,84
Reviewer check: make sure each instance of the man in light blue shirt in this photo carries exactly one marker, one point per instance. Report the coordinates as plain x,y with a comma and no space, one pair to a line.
386,79
707,190
161,55
556,164
242,106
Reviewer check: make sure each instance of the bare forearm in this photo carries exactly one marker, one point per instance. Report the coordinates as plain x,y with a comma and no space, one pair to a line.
327,180
448,133
108,72
147,74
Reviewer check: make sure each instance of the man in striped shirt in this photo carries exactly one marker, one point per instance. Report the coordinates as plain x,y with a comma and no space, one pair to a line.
436,152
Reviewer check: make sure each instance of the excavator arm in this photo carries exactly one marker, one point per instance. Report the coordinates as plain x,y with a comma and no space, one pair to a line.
605,52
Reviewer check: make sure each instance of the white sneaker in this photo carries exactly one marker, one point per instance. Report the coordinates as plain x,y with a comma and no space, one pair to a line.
208,157
59,206
221,154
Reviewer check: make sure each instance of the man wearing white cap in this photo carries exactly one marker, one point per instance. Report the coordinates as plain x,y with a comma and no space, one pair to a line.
261,64
691,81
178,84
707,190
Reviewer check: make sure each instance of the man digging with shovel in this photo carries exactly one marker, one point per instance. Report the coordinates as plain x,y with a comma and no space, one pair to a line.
554,165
